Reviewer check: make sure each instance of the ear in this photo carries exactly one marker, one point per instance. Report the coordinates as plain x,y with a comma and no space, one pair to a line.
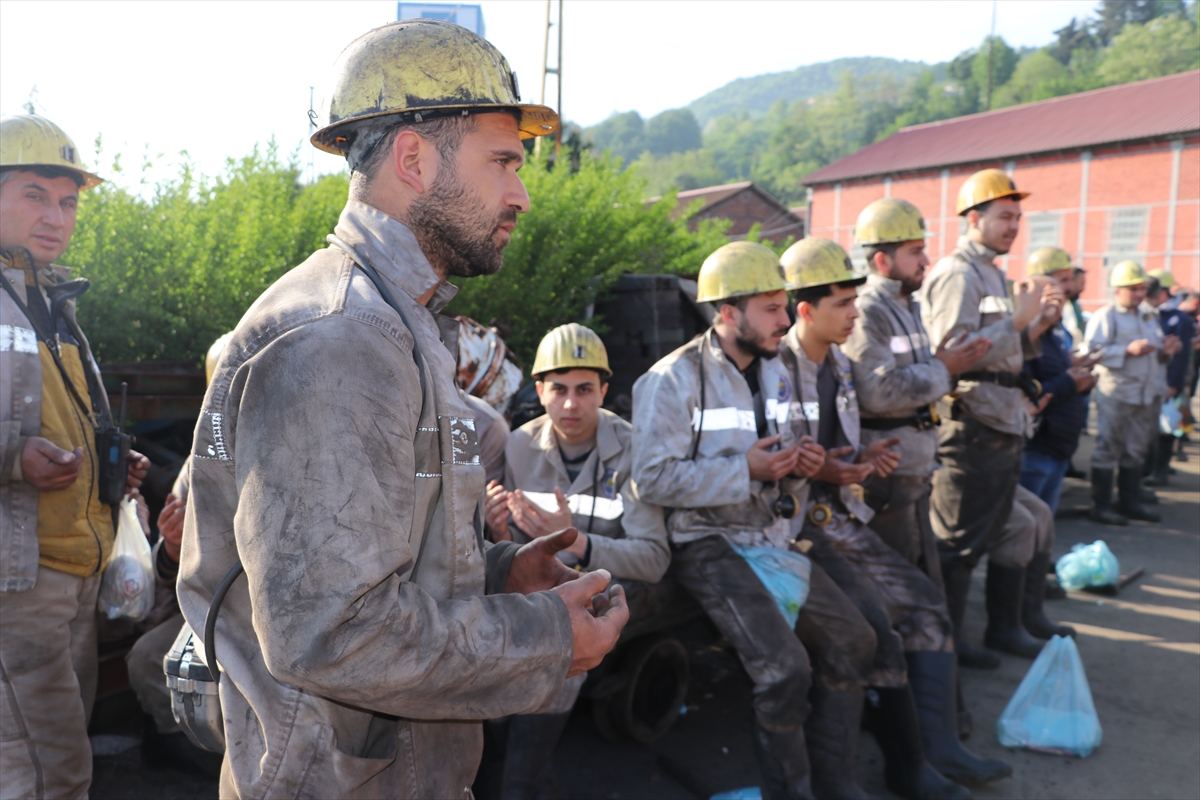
540,388
728,313
804,310
603,391
880,261
414,160
973,218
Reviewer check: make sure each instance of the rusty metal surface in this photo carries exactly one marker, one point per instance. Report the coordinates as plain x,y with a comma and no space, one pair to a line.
1143,110
484,367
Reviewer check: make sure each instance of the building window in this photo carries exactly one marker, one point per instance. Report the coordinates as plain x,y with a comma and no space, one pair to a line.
1044,231
1126,232
857,257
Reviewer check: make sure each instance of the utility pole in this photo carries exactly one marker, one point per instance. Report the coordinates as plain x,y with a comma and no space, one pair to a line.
312,127
556,71
991,56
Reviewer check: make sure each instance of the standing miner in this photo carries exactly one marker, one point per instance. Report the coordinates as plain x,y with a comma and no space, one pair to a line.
977,504
571,467
712,443
56,517
914,675
1129,393
899,379
337,461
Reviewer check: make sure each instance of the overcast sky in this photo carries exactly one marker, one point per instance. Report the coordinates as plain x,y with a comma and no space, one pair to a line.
214,78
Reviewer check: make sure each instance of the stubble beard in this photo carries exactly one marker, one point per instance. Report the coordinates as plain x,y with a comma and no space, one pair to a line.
753,343
454,229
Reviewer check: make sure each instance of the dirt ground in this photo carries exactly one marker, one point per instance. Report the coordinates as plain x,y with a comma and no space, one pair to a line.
1141,651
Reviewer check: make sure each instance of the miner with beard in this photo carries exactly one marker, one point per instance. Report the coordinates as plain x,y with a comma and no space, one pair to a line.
713,444
337,461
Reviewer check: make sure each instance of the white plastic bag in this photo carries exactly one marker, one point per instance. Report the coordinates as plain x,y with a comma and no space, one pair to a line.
127,587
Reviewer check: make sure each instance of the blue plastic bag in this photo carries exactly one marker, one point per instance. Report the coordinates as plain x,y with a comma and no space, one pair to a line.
1170,418
1052,710
785,574
1087,565
745,793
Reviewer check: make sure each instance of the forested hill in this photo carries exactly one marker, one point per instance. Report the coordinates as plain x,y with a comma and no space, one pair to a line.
757,94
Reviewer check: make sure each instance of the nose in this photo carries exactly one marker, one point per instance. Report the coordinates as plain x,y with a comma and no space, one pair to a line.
517,196
53,215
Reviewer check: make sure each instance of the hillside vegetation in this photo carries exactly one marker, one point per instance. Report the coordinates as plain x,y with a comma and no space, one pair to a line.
772,129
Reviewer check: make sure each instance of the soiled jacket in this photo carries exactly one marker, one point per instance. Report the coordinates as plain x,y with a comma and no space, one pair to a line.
803,374
1136,380
710,492
966,291
77,526
895,371
492,430
358,650
630,534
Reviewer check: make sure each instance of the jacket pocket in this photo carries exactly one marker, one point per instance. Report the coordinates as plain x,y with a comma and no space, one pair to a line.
334,773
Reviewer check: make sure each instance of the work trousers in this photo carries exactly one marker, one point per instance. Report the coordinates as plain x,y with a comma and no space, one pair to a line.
1125,433
48,666
830,628
974,489
146,677
901,506
906,610
1028,530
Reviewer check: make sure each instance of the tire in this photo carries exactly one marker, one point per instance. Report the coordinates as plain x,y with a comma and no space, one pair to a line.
647,706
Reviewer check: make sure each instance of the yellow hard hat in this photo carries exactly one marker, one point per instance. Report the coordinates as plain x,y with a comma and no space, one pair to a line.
1127,273
888,221
418,70
817,262
571,346
1048,260
984,186
214,355
27,140
739,269
1163,276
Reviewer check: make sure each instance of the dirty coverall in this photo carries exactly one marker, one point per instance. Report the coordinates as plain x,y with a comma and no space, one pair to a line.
1130,389
690,450
897,378
363,645
53,544
902,604
628,537
982,435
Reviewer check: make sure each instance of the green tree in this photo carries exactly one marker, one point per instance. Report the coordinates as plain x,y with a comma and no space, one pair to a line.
996,55
583,231
673,131
623,135
1163,46
1037,77
693,169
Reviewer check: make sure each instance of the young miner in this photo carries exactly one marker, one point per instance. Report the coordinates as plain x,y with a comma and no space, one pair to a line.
1129,393
572,467
918,712
712,443
978,506
899,378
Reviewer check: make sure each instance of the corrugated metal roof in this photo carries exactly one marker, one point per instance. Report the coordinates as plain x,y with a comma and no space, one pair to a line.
1157,107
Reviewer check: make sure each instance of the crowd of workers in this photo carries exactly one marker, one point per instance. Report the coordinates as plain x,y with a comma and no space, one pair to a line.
382,564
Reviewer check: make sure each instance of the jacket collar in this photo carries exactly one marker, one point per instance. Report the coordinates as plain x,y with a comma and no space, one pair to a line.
607,444
391,247
885,285
977,250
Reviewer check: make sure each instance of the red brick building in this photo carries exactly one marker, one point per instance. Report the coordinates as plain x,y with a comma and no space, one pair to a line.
1114,174
743,204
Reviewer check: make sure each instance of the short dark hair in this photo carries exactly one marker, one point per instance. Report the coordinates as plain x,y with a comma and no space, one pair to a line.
1153,287
813,294
887,248
43,171
981,208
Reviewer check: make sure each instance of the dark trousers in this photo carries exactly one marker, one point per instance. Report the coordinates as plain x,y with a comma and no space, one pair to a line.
830,630
901,506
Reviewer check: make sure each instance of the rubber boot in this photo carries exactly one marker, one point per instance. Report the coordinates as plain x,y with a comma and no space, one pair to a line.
1005,598
892,719
931,676
529,755
1102,492
957,578
1032,617
1160,474
832,734
783,759
966,723
1129,484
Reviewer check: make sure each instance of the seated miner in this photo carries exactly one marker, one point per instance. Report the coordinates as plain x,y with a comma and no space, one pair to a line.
915,719
571,468
712,443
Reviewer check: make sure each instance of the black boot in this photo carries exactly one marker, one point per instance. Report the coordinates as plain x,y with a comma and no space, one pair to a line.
1129,484
783,759
892,719
1160,474
1102,492
832,734
529,755
1032,616
957,578
931,676
1005,597
966,723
